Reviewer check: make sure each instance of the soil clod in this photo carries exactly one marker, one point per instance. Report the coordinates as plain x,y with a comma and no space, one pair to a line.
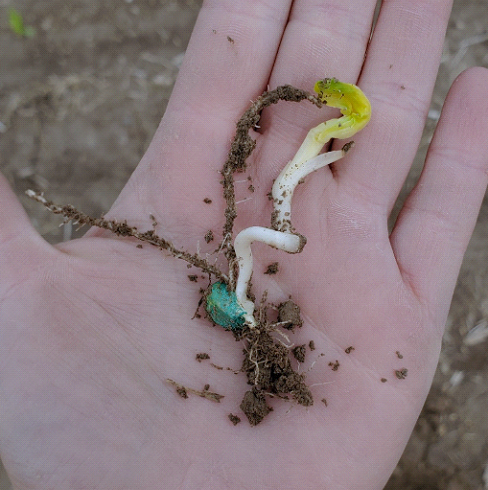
299,352
254,406
289,315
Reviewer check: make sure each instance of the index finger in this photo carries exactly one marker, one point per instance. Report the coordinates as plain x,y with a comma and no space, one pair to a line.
227,64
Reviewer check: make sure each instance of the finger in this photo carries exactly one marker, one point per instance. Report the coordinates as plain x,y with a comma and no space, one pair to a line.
226,65
437,220
398,78
20,245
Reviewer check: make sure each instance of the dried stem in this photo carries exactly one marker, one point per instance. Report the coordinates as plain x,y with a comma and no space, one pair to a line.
70,213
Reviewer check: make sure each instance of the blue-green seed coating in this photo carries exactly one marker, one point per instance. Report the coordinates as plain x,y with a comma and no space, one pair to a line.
223,308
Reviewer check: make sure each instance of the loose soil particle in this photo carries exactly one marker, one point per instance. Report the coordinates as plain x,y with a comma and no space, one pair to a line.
202,356
272,268
334,365
234,418
401,373
349,349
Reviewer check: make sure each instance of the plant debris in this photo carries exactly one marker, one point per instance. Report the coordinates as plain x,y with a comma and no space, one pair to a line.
183,392
122,229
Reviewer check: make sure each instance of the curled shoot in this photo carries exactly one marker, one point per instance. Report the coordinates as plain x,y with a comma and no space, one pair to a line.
356,112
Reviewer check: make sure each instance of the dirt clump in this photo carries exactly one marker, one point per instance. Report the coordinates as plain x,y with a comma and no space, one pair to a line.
254,406
299,352
289,315
268,369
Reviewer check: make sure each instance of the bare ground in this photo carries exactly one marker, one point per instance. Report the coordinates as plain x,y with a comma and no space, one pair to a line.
79,103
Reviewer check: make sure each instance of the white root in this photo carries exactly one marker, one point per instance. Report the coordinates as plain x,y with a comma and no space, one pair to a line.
288,242
284,186
281,238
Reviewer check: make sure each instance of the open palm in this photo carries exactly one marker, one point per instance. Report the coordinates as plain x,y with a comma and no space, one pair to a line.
92,329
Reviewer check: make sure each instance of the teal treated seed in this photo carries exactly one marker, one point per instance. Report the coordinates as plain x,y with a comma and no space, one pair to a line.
223,308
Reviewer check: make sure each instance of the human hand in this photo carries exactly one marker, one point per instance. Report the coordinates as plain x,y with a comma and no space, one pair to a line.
91,329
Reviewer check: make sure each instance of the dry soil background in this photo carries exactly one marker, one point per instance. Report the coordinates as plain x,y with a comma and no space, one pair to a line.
79,103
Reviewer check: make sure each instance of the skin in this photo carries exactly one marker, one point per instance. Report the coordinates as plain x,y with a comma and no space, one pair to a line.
91,329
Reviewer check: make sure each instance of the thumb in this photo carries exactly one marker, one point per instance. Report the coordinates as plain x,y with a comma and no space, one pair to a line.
21,247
